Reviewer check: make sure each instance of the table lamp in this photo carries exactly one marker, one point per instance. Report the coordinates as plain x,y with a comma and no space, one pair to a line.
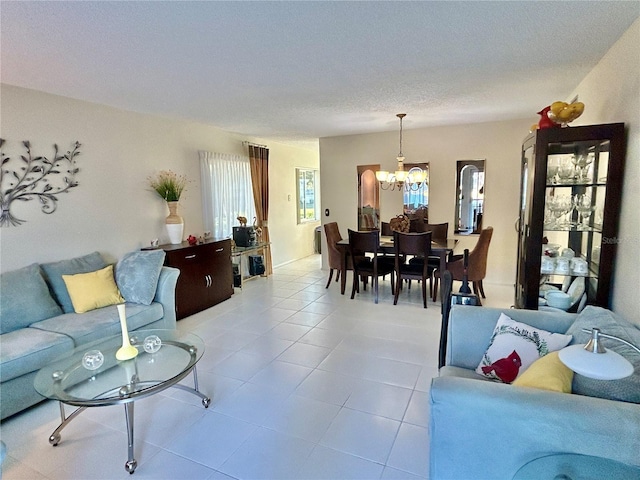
594,361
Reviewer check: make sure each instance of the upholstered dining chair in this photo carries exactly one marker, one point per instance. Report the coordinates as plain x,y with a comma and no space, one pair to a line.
477,265
361,244
411,244
332,232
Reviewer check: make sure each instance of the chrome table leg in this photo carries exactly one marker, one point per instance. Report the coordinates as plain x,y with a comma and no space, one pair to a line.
131,464
54,438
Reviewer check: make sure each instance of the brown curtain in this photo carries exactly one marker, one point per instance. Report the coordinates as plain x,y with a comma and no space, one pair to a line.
259,161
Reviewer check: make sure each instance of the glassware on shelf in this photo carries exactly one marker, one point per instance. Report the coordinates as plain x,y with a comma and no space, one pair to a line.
584,207
566,172
553,166
558,206
581,164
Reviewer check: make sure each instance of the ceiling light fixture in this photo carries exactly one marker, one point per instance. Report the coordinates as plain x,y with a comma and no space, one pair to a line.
401,179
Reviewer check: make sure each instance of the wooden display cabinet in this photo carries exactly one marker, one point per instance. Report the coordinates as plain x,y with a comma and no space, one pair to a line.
571,185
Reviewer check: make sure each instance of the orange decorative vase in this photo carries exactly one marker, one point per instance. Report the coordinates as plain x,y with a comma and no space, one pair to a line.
174,223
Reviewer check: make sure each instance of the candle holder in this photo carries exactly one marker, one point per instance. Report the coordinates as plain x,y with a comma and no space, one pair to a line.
127,351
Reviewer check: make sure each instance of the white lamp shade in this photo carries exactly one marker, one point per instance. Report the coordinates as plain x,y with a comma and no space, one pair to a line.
401,175
600,366
382,176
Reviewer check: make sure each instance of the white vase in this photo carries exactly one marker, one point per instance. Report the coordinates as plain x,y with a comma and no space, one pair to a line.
174,223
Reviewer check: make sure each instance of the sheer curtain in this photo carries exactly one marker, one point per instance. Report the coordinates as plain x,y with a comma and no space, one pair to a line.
226,192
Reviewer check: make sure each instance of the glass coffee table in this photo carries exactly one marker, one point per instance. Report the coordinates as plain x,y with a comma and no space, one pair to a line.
90,376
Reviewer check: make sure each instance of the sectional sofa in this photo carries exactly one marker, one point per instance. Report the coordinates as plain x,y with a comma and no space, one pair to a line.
486,429
39,318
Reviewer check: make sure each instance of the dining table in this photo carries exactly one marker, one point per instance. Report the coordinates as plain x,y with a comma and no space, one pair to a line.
440,249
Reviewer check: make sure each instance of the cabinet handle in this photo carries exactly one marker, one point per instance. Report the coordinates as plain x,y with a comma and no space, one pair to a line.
219,250
190,256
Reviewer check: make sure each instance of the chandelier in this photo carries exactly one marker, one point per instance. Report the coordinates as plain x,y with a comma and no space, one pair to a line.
401,179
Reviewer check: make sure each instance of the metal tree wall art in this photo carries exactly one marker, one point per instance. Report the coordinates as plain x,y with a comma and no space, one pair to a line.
35,178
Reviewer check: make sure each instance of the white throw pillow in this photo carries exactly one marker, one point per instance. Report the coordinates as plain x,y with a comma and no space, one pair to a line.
514,346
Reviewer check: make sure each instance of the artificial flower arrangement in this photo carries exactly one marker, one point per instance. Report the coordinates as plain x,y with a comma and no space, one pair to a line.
168,185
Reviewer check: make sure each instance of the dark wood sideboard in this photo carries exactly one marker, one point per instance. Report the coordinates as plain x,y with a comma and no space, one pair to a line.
206,275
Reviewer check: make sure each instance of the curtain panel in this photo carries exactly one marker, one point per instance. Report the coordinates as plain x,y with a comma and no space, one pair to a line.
226,192
259,161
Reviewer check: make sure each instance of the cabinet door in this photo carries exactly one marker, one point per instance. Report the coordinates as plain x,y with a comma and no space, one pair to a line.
220,271
191,289
524,288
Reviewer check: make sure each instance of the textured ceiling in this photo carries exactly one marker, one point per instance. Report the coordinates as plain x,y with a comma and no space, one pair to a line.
297,71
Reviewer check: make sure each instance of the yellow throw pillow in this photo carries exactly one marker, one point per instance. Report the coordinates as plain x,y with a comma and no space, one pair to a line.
92,290
547,373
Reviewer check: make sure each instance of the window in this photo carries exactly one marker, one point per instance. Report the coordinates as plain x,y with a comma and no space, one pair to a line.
308,206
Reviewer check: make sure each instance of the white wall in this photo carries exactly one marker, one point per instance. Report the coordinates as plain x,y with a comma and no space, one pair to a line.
611,93
499,143
112,210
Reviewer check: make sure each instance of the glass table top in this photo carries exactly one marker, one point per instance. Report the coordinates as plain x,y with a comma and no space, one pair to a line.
72,381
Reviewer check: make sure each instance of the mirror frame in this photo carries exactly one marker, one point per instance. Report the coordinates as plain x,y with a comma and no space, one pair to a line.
368,215
479,201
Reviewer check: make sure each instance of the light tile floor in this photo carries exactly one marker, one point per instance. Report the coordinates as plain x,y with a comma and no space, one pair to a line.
306,384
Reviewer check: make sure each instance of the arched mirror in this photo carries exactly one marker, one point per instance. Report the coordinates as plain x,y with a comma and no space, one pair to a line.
368,198
469,196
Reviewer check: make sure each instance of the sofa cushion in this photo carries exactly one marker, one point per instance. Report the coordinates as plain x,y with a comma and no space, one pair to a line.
100,323
514,346
626,389
53,275
28,349
25,299
137,275
92,290
547,373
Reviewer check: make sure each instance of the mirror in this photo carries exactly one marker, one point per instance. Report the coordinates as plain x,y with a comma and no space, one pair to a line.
469,196
368,198
416,196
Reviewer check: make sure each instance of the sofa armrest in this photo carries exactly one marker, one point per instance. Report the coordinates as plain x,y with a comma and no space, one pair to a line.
489,430
470,329
166,294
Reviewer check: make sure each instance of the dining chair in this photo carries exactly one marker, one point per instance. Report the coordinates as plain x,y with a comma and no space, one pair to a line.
439,234
361,244
477,269
411,244
332,232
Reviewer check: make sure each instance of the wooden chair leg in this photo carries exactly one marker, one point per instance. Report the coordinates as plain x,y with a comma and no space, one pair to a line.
481,288
435,287
354,285
338,274
375,286
331,275
396,292
424,292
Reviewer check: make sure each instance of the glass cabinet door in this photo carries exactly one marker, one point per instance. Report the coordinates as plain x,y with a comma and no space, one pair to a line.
570,203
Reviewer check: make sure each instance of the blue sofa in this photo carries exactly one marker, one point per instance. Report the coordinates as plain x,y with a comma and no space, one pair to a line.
38,323
481,429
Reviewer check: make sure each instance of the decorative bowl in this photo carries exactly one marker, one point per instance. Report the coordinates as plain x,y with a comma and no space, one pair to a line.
558,300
